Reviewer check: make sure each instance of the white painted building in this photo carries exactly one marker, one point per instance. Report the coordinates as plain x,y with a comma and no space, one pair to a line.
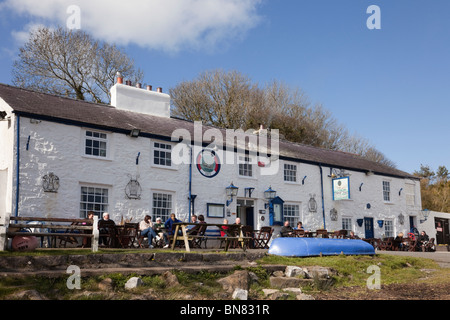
62,157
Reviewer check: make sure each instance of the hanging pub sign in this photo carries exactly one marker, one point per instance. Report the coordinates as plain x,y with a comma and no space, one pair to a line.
341,188
208,163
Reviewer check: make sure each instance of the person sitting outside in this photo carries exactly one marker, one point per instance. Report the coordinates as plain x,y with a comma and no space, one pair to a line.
198,229
299,226
158,227
146,228
286,230
171,228
398,242
223,229
106,226
353,235
422,241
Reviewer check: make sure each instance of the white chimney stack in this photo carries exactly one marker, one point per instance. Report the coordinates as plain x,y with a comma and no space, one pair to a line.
137,99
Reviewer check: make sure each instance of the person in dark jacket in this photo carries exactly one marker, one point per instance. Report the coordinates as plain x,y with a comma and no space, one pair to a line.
286,230
198,228
169,224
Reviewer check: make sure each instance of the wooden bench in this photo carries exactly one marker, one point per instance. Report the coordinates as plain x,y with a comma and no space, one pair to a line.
234,233
65,229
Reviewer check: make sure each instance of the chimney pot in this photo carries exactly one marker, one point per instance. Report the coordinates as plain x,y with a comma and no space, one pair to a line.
159,90
119,78
139,85
149,87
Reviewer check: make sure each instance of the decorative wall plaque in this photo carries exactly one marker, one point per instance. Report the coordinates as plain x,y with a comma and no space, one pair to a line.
50,182
312,203
133,189
333,214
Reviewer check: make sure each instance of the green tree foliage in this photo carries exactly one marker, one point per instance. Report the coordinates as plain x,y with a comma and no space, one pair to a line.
435,188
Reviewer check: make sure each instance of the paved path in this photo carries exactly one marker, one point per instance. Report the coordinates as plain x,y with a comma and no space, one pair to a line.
441,257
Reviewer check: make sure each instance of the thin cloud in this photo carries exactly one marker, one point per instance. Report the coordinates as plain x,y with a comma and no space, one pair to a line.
169,25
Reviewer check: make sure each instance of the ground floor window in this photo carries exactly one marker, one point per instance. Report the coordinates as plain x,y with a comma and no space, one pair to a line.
389,228
347,224
93,199
162,205
292,214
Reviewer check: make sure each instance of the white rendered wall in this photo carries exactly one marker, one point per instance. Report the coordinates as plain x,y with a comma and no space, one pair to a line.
139,100
58,148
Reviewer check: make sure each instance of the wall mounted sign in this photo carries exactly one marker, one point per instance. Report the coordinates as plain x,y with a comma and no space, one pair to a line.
50,182
208,163
341,188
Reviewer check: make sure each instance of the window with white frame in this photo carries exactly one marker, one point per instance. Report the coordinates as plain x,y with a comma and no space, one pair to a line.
291,213
245,167
389,228
162,154
95,144
386,191
290,172
93,199
347,224
162,205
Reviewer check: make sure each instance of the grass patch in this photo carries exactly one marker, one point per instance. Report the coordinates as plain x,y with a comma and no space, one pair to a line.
352,270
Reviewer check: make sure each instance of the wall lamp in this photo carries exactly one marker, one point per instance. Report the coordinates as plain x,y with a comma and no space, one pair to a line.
135,133
400,192
269,195
425,214
232,192
360,186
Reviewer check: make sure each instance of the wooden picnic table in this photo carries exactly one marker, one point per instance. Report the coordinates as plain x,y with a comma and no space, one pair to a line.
233,233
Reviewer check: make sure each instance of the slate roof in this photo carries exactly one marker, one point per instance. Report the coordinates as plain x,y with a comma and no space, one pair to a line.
75,112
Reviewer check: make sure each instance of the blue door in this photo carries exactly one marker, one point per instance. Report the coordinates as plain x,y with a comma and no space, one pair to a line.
368,226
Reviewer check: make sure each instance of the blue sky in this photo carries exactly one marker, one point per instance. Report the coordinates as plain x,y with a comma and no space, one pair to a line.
390,86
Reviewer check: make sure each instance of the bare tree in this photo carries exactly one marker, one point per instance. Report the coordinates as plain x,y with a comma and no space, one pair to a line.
71,63
231,100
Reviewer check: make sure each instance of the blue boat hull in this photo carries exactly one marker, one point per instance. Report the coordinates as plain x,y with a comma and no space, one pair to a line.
308,247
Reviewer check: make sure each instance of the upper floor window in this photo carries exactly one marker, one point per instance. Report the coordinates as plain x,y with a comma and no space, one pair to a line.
386,191
162,154
96,144
245,167
290,172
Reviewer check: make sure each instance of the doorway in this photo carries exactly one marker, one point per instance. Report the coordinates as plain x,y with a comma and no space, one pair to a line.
245,211
442,231
368,227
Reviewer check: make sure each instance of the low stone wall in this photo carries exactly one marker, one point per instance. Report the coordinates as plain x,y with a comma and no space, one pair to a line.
125,260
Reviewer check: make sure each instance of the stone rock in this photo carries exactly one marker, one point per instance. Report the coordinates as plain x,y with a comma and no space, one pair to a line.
170,279
294,271
319,272
269,292
28,295
278,274
293,290
284,282
303,296
238,280
133,283
106,284
253,277
279,296
240,294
